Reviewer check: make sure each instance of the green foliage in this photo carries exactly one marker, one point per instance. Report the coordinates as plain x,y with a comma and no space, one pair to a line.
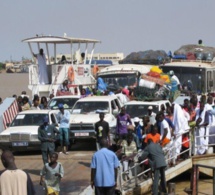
1,66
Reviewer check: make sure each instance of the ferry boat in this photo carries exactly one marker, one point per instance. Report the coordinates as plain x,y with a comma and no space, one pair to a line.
78,72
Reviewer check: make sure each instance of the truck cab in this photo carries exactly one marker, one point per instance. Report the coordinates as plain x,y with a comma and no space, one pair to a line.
117,76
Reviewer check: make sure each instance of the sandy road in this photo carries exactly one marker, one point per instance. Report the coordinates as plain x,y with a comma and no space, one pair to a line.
76,166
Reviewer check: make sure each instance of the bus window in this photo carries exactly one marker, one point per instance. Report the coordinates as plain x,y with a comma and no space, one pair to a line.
209,81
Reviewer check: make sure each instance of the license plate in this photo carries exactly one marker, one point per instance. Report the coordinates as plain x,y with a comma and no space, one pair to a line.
81,134
15,144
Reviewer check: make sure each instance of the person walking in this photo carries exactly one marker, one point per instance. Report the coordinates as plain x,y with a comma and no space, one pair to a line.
102,130
42,67
104,166
47,136
51,175
13,180
154,153
63,118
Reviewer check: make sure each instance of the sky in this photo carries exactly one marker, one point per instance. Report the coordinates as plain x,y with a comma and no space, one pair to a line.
121,25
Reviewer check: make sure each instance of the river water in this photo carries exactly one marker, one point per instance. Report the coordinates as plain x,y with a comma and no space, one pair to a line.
183,181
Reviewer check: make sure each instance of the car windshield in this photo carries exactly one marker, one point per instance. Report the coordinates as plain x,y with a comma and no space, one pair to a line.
139,110
28,119
68,103
90,107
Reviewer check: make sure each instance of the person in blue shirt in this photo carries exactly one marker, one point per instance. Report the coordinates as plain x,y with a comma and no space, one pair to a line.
104,167
63,118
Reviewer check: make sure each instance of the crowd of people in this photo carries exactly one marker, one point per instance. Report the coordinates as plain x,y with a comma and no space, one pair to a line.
48,134
170,130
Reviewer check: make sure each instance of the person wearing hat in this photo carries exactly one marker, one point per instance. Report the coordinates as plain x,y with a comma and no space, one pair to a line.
137,132
47,136
151,115
63,117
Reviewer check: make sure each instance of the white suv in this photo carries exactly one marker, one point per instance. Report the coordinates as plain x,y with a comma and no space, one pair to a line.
22,133
140,108
85,114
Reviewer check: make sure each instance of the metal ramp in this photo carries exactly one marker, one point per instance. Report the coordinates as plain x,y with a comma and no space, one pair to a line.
145,186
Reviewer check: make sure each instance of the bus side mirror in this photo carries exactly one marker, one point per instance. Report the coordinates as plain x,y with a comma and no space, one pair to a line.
211,83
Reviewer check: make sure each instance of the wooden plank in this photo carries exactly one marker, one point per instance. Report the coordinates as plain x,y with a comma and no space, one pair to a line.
208,159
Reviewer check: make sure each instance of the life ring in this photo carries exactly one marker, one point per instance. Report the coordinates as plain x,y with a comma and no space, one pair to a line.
71,74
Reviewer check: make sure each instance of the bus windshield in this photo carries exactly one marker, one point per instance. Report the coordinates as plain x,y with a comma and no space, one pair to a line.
190,77
115,81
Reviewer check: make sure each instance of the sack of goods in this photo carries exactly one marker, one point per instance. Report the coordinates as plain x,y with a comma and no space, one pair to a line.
165,77
147,84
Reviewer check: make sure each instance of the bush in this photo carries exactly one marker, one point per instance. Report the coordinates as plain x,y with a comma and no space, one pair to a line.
2,66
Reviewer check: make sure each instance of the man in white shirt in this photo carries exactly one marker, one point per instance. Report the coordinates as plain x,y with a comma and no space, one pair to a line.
151,115
42,67
173,76
164,130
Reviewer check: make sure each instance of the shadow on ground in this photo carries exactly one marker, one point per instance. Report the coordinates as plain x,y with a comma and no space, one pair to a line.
32,171
85,164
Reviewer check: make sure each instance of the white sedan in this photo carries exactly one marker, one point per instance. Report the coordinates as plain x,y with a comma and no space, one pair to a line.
22,133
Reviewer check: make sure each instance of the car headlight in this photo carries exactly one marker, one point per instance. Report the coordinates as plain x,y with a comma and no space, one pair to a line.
4,138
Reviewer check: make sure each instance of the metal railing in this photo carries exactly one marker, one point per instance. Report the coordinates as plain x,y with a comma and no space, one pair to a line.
170,156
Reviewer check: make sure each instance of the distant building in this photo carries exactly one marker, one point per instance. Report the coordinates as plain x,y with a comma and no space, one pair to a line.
114,57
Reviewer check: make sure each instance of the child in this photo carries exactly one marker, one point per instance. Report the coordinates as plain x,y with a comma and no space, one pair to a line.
53,172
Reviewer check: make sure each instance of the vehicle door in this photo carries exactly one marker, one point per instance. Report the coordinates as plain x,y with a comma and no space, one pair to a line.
118,104
53,118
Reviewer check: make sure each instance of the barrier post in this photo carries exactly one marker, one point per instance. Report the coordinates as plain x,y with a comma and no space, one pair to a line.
171,188
213,181
135,174
194,180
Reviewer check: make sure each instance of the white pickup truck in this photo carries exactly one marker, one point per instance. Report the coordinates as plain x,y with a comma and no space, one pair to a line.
85,114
